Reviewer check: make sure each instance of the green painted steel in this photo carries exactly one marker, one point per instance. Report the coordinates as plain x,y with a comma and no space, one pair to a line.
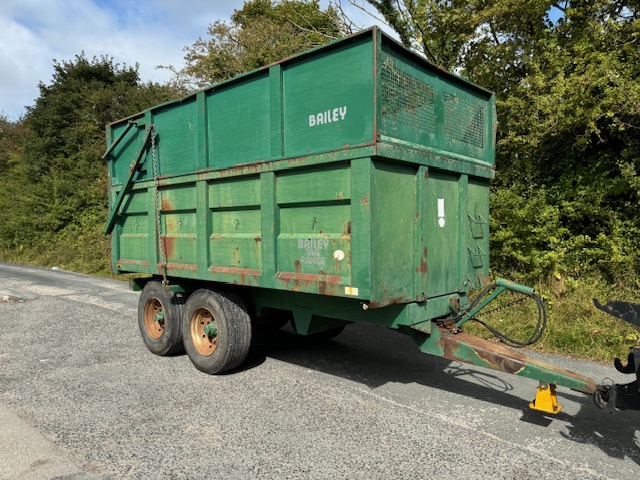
356,171
502,285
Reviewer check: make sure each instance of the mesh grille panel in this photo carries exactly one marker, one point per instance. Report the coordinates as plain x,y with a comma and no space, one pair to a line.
463,121
407,98
412,108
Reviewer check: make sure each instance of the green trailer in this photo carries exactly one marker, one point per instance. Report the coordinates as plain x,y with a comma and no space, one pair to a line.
349,183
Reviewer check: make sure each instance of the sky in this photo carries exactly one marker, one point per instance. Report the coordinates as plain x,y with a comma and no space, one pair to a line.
34,33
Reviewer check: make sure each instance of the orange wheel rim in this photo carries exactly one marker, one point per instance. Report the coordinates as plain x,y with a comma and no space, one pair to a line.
203,343
153,328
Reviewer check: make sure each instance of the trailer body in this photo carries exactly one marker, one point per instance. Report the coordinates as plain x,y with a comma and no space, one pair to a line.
356,170
349,183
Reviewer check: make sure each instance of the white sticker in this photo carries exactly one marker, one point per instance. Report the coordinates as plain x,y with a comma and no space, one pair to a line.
338,255
441,220
351,291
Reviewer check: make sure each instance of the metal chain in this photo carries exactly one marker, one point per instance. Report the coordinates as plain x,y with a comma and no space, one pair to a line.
156,185
502,307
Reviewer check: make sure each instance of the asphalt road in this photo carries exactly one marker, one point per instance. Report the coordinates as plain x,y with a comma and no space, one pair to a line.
82,398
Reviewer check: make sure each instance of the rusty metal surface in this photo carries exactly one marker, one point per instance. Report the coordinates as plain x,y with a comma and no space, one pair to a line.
471,349
321,283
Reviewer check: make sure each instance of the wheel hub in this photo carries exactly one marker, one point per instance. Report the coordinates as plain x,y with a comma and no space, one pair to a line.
204,332
154,318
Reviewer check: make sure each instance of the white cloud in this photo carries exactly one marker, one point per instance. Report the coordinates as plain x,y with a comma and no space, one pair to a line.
149,32
21,64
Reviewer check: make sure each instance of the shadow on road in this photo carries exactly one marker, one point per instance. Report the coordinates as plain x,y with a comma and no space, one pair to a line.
616,434
375,356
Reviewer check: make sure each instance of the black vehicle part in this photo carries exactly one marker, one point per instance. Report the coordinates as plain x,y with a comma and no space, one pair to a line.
622,396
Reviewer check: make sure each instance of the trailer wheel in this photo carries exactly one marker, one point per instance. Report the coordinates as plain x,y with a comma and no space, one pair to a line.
159,319
216,330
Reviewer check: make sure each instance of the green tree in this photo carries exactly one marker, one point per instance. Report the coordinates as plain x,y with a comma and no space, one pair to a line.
13,178
566,79
55,184
260,33
568,113
439,29
12,135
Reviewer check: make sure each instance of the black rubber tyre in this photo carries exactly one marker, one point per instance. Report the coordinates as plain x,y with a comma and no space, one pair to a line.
228,347
161,336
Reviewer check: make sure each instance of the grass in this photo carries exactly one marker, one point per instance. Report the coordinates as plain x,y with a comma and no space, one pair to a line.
88,253
574,326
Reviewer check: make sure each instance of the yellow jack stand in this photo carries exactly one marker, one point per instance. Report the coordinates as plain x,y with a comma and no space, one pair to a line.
546,400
